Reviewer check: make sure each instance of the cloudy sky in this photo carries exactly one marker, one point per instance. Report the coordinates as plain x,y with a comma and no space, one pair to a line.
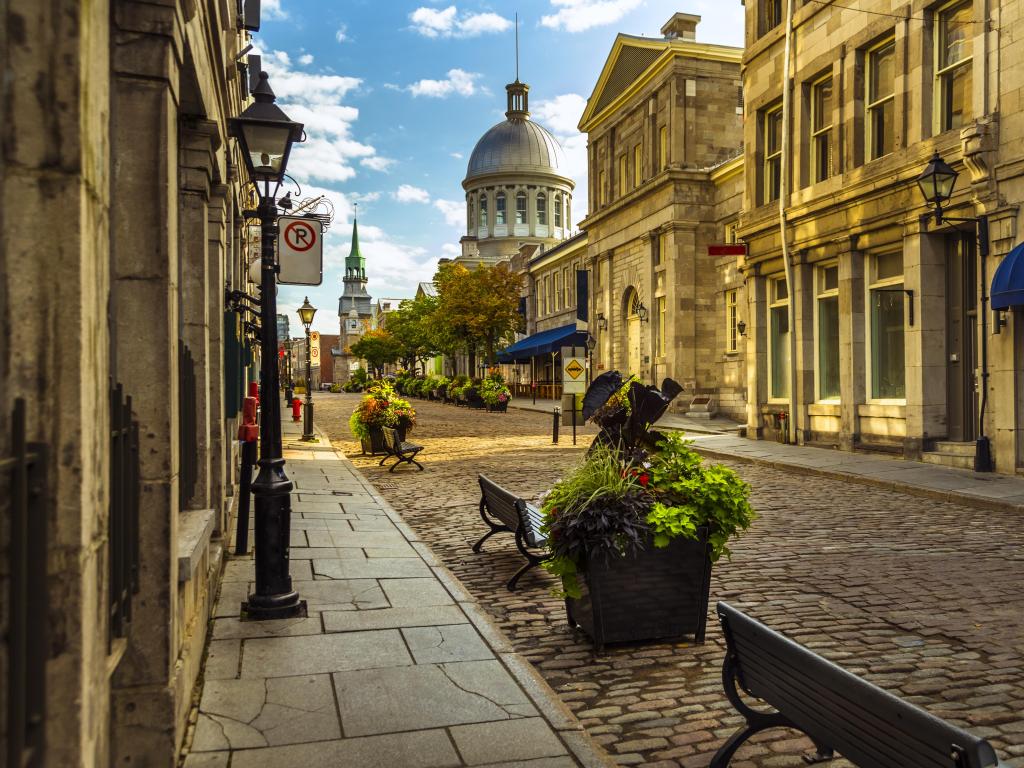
395,94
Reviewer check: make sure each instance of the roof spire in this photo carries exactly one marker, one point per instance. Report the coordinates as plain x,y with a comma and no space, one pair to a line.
517,46
518,93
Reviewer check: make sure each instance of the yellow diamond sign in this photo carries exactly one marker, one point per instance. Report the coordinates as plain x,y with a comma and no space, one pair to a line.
574,369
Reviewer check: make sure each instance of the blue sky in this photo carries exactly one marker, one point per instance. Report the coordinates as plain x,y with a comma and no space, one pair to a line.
395,94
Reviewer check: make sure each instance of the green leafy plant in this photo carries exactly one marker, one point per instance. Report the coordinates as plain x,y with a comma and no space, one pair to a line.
381,407
493,391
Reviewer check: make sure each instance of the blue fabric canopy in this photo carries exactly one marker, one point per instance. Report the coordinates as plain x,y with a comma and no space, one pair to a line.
1008,281
544,342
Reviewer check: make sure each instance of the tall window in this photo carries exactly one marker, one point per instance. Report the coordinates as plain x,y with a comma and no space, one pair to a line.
558,210
569,284
730,232
542,209
623,188
661,253
499,208
483,210
545,288
549,286
731,331
663,147
828,332
885,293
771,15
772,154
881,101
602,195
520,208
778,339
662,316
472,213
559,287
638,165
953,68
821,128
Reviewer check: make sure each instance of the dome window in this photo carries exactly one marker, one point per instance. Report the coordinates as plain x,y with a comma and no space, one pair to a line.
521,208
558,210
483,210
542,209
499,208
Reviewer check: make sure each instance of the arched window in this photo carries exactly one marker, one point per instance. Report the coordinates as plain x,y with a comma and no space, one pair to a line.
499,208
542,209
558,210
483,210
521,208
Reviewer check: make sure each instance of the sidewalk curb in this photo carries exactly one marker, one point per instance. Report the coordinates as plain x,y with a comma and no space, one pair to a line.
953,497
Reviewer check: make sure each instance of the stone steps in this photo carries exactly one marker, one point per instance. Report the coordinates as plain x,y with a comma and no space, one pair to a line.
951,454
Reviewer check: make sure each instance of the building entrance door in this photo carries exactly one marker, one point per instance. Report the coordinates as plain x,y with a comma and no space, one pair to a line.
633,332
961,333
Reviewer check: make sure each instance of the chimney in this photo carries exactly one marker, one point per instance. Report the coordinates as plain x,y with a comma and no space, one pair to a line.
682,26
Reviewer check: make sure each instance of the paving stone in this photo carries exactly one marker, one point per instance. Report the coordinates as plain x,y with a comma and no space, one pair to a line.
404,593
222,657
341,595
230,627
422,749
371,568
514,740
388,618
234,714
283,656
374,701
458,642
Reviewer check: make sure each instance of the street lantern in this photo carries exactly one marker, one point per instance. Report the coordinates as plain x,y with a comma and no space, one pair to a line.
306,312
936,183
266,134
641,312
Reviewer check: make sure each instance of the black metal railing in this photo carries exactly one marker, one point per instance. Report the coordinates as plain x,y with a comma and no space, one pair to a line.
188,447
27,595
123,519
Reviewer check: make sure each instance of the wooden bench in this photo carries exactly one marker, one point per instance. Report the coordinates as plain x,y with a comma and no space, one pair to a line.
399,449
839,711
502,511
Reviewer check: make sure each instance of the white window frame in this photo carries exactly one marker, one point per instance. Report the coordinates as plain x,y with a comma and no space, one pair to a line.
731,321
871,284
775,303
522,214
482,213
821,292
775,157
500,209
945,73
542,209
873,103
558,209
821,131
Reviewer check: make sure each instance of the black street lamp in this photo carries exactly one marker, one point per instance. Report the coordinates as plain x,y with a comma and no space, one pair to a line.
265,135
936,183
306,312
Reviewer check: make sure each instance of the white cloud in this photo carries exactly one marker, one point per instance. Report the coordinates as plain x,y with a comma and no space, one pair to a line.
448,23
342,34
560,115
451,250
306,59
365,197
581,15
271,9
407,193
454,212
457,155
377,163
458,82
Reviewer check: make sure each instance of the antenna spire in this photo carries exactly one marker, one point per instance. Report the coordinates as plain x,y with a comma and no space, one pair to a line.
517,47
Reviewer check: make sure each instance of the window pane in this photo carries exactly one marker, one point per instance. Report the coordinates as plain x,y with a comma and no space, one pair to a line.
828,348
542,210
780,352
499,209
823,156
781,290
957,97
887,361
774,183
558,210
882,129
773,132
483,211
521,208
822,104
956,35
829,278
888,265
883,72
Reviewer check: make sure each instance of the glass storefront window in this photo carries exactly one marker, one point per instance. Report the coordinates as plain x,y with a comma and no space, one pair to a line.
828,333
778,345
886,298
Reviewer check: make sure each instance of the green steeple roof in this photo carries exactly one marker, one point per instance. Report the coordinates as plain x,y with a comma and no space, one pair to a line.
355,264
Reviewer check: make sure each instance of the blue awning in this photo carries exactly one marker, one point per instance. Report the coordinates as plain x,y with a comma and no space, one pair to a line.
542,343
1008,281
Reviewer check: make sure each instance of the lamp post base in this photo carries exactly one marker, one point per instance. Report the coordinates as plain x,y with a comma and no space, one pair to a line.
287,606
307,422
983,455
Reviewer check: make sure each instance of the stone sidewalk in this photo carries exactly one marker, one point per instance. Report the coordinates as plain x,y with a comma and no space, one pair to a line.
961,486
396,664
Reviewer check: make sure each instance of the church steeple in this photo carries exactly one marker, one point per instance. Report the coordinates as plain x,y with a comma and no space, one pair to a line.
355,264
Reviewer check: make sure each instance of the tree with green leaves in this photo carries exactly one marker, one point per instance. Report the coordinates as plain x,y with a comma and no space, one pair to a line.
412,328
377,348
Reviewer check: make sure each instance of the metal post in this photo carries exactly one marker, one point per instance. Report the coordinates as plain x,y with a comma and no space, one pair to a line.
274,597
557,414
574,418
307,410
245,489
982,446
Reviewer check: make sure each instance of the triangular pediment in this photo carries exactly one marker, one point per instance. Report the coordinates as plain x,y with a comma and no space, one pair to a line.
630,57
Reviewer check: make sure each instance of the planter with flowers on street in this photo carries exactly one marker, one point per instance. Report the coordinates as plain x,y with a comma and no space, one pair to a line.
380,407
495,393
636,527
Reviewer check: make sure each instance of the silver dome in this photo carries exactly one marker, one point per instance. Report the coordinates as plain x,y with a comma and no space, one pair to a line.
516,146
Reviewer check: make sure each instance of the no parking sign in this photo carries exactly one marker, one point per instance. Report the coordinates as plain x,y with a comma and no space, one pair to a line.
300,250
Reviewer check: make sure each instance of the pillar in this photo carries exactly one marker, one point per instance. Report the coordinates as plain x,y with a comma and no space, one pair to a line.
852,349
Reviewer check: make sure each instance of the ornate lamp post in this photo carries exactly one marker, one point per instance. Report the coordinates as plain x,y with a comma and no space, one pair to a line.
936,183
306,312
265,136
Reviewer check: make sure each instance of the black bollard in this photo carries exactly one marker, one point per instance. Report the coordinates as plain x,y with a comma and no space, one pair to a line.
556,414
245,491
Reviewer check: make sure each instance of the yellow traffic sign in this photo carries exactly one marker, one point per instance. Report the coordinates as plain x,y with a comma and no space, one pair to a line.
574,368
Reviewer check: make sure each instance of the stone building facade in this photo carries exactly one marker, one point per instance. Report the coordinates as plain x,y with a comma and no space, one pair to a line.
665,127
355,311
874,336
127,229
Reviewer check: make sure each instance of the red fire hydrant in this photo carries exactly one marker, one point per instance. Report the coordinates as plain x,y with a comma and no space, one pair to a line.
254,391
296,409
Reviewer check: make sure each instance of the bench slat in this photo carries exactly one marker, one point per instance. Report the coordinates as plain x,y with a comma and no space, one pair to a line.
533,520
866,724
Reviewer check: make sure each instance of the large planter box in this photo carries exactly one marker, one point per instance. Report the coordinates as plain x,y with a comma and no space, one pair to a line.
499,407
473,399
659,593
375,445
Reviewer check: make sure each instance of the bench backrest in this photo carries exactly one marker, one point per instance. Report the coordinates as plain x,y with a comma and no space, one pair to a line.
512,511
391,440
865,724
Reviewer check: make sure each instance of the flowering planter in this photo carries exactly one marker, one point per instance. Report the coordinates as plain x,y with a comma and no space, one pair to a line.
658,593
473,399
501,407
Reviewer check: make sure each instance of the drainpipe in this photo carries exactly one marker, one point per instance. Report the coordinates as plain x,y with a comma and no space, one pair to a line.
787,90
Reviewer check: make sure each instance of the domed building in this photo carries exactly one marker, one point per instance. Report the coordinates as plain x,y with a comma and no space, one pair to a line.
517,192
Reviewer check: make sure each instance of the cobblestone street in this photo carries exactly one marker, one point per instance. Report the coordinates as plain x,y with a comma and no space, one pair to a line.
919,596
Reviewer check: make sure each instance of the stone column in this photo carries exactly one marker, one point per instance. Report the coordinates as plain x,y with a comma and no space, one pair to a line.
757,349
851,342
682,244
221,423
146,50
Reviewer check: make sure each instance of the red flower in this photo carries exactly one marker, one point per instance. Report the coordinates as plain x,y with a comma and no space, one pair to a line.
644,480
